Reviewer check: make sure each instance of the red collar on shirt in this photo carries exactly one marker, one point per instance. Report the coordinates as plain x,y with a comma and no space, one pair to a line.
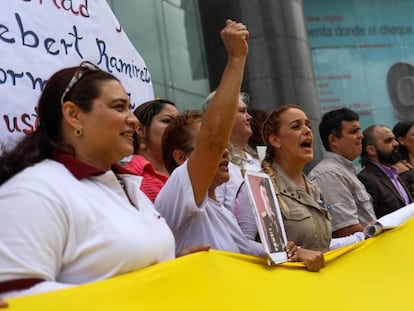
80,169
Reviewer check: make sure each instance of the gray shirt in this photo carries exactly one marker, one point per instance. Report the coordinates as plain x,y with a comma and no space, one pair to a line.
348,201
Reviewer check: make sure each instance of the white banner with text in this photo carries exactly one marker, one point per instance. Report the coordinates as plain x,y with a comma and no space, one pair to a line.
39,37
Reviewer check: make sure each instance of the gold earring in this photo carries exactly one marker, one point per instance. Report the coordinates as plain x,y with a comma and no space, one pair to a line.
78,132
142,146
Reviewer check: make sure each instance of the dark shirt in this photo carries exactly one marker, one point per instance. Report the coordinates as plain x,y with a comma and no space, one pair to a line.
385,196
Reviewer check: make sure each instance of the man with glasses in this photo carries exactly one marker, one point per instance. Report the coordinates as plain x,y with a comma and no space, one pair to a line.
380,176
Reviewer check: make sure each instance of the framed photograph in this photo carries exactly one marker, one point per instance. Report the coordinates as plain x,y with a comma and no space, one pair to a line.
268,216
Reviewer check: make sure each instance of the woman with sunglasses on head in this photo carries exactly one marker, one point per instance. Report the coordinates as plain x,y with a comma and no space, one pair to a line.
69,214
153,117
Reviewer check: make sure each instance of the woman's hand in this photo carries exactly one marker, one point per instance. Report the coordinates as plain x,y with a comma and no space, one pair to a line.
313,260
234,37
3,304
193,249
292,251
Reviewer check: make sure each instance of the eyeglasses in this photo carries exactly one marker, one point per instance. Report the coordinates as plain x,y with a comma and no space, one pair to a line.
83,67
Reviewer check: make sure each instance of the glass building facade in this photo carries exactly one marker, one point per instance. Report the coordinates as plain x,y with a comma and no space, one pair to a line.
318,54
167,34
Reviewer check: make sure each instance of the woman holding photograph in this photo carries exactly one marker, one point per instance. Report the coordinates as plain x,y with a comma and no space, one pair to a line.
289,138
195,154
288,135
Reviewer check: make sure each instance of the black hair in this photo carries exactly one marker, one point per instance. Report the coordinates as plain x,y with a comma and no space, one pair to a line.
331,123
146,112
47,137
400,130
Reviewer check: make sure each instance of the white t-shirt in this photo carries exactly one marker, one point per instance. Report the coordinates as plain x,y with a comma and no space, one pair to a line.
210,223
56,227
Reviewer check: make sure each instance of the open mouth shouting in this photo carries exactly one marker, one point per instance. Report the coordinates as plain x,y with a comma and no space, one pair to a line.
307,145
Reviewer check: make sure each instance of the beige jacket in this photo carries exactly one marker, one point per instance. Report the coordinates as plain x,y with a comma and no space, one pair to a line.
305,216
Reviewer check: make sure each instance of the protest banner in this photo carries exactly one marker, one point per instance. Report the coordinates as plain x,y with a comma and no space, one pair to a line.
39,37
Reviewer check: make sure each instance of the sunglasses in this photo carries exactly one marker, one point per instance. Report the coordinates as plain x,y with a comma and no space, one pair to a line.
83,67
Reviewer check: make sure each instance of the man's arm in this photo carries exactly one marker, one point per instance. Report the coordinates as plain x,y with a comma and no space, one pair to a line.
341,203
347,231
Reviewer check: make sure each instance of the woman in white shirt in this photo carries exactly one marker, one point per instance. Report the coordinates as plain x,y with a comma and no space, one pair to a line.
194,152
69,214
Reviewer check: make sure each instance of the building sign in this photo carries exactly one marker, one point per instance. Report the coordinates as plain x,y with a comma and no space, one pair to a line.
363,57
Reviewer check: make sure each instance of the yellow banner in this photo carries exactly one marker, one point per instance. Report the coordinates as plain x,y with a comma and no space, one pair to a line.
375,274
